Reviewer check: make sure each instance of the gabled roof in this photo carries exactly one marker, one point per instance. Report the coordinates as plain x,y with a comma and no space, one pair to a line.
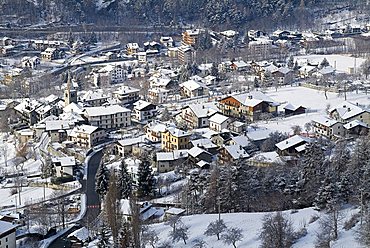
192,85
83,129
177,132
196,151
325,121
236,151
218,118
65,161
105,110
6,226
57,125
203,110
241,140
171,156
355,123
206,143
292,107
292,141
142,105
348,110
133,141
254,98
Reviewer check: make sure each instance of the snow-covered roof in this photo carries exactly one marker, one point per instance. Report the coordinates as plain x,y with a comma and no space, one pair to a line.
254,98
71,117
347,110
123,90
203,110
327,122
292,141
105,110
133,141
202,163
141,104
292,107
87,129
65,161
27,105
170,156
93,95
196,151
177,132
206,143
241,140
6,226
73,107
57,125
218,118
236,151
81,234
192,85
355,123
175,211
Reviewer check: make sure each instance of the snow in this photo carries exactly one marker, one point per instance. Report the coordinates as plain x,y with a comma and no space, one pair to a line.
315,102
251,224
28,195
341,63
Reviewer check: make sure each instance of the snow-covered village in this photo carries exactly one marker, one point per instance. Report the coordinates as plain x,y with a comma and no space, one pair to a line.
165,124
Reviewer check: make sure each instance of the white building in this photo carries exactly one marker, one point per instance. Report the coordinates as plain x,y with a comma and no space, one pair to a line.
143,111
86,136
158,95
64,166
127,94
7,235
218,122
114,74
108,117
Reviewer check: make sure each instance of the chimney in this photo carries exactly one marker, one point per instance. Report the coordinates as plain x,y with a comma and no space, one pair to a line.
348,109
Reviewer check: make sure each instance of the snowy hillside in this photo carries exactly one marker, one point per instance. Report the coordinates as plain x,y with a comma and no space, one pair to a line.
251,224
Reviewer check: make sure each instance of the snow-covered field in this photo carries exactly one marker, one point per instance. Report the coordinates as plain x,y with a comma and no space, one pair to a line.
313,100
251,224
28,195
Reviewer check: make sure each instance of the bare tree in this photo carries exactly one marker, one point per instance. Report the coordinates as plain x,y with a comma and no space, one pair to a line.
180,233
232,236
216,228
277,231
149,237
296,130
199,243
135,222
111,206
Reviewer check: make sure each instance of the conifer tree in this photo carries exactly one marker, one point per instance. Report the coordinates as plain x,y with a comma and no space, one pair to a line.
145,178
102,180
124,181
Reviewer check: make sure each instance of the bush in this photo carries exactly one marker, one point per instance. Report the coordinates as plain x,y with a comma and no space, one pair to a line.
60,180
349,224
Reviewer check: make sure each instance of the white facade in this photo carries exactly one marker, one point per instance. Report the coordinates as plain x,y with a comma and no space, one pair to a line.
7,235
108,117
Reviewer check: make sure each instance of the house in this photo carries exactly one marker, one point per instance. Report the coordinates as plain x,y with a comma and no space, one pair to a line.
355,129
258,136
94,98
143,111
249,106
242,141
192,88
237,126
222,138
232,153
168,161
125,146
57,129
239,65
158,95
218,122
205,144
147,211
86,136
30,62
26,111
127,94
153,130
7,235
291,109
197,154
175,139
79,238
260,47
185,54
52,53
162,82
64,166
113,73
197,115
166,41
329,128
292,146
281,74
347,112
172,212
24,135
108,117
132,48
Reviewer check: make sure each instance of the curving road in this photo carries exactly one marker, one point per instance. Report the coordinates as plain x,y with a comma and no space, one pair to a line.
92,201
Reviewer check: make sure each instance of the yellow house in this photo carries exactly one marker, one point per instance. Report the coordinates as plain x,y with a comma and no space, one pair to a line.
175,139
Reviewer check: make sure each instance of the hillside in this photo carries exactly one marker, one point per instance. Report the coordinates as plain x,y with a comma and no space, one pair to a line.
223,14
251,224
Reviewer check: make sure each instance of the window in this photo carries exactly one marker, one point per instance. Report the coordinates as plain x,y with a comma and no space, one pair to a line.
6,239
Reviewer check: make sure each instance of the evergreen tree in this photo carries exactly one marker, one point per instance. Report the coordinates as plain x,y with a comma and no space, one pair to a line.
124,181
102,180
291,62
145,178
47,168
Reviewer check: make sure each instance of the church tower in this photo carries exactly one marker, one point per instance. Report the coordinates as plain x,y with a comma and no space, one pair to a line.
70,94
